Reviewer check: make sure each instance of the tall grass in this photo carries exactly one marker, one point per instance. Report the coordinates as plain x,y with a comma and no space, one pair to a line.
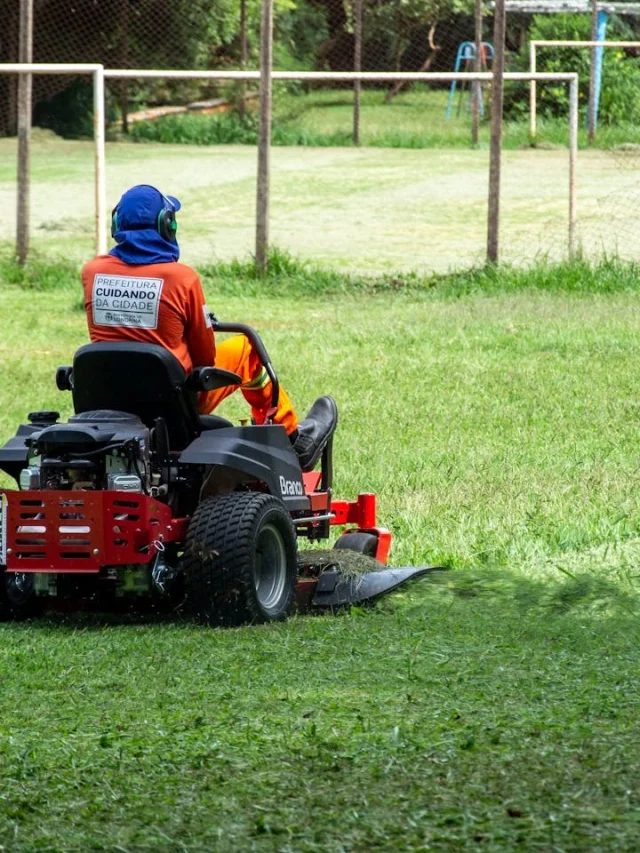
322,118
289,276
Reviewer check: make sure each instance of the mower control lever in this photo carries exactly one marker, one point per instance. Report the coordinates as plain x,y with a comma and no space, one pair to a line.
259,347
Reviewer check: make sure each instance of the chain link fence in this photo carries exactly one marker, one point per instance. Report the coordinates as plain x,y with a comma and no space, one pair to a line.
411,194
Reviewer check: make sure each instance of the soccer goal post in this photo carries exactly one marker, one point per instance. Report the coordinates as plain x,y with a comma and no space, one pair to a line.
97,72
570,79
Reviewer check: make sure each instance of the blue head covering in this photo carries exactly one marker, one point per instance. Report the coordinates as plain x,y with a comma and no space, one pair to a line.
136,227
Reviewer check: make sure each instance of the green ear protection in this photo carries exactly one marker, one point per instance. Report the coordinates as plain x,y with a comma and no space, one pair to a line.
166,224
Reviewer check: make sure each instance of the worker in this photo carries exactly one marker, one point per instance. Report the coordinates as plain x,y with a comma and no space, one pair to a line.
140,292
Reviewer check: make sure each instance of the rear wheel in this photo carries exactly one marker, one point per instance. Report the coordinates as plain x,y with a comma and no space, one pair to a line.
361,543
241,560
18,598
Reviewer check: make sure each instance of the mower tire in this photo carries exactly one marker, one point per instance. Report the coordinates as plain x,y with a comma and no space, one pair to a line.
18,598
361,543
240,560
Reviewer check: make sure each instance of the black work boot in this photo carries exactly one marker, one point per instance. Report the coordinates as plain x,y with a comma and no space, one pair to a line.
314,432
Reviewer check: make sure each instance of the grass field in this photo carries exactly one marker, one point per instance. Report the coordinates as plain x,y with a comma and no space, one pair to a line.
363,209
493,709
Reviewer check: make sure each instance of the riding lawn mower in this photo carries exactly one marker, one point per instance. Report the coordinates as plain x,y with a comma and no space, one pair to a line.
139,499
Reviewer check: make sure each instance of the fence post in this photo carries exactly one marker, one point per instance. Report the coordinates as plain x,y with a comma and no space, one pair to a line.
532,91
357,66
100,188
497,97
573,158
123,17
243,55
476,86
264,137
25,54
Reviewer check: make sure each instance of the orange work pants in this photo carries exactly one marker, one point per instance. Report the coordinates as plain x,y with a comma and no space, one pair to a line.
237,355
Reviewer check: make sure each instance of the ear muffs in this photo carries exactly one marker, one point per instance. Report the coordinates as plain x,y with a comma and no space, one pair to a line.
166,222
167,225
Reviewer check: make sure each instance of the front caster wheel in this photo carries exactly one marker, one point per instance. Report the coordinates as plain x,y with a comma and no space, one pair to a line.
361,543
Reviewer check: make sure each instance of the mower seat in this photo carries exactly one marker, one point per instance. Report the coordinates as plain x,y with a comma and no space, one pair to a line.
143,381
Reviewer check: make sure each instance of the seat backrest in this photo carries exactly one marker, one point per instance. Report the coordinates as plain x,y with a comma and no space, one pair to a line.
143,379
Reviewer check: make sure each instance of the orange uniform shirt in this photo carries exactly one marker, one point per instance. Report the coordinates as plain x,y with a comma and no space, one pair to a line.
153,303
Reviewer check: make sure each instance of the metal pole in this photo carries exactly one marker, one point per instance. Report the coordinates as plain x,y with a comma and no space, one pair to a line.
124,57
497,97
357,66
532,91
476,87
592,73
264,137
25,54
100,178
243,55
573,157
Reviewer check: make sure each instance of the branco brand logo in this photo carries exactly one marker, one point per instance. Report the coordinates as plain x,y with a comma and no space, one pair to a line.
290,487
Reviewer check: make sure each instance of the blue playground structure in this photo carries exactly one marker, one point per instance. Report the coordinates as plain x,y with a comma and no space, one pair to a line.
465,61
601,35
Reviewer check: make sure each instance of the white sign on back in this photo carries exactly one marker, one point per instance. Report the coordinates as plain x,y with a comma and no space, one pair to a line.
126,301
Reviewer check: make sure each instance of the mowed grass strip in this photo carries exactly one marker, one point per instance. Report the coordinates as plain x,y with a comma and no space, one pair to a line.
365,210
491,708
447,723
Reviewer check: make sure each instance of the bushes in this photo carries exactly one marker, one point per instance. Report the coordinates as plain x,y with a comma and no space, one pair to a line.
619,101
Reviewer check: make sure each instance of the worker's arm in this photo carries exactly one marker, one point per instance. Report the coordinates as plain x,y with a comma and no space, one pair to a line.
198,331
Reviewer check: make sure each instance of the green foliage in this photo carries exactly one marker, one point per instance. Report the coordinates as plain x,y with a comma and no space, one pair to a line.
293,277
223,129
299,30
39,273
619,103
413,120
70,112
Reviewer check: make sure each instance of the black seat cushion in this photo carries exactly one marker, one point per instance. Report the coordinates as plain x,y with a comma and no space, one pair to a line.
214,422
104,416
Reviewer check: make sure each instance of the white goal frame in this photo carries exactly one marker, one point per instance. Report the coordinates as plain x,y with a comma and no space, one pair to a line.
97,72
571,79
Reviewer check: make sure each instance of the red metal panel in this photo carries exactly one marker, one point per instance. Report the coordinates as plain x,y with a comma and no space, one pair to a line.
133,522
319,501
384,543
311,480
361,512
81,531
54,531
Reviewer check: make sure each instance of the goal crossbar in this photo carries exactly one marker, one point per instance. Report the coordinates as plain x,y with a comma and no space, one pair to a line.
97,72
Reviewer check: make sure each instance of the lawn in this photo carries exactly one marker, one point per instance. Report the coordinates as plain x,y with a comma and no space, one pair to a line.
493,708
368,209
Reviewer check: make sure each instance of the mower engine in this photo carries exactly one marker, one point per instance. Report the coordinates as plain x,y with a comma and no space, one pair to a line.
94,451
